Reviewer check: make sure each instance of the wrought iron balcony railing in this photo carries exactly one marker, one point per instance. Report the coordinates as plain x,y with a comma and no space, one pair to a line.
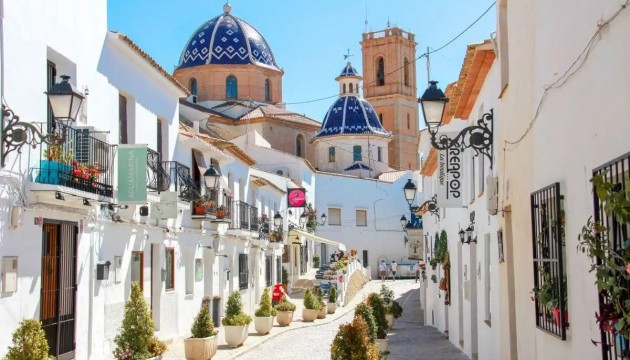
158,178
181,180
83,162
214,203
245,216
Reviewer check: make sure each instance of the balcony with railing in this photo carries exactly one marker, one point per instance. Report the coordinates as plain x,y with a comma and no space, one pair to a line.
214,204
82,161
181,181
158,178
245,217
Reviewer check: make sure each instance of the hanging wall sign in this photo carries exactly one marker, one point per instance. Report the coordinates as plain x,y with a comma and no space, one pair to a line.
296,197
450,184
132,174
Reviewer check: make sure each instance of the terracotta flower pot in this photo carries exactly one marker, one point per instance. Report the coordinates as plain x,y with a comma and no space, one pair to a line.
200,348
390,320
321,314
309,315
220,214
332,307
556,316
235,336
284,318
381,344
263,324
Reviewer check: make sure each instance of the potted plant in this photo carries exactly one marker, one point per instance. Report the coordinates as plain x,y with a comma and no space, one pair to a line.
434,278
220,213
199,207
311,218
57,161
311,306
236,322
365,311
285,310
316,261
352,342
29,342
433,262
387,295
332,300
319,294
285,279
202,345
378,310
136,339
263,320
548,296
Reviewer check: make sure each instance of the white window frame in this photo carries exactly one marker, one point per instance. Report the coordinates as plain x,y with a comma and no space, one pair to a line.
357,211
331,218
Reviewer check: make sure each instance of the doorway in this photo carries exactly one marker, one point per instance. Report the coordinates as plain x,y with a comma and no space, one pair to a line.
58,289
365,258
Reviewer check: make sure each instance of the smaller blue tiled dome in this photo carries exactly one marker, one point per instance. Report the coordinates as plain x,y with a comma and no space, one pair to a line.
351,115
349,70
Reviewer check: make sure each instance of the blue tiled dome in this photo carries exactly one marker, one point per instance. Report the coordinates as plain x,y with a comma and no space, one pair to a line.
349,70
227,40
351,115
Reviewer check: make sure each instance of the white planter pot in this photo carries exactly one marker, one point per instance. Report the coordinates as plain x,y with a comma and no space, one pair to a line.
284,318
390,320
200,348
235,336
309,315
321,314
381,344
332,307
263,325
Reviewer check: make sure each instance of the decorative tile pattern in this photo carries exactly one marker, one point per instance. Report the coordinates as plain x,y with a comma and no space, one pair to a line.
351,115
226,40
357,166
349,70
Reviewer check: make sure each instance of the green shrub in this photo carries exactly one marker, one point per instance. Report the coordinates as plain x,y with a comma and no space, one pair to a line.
319,294
395,309
29,342
202,327
316,261
234,315
285,276
285,305
332,295
364,311
136,340
311,302
352,342
386,294
378,310
265,309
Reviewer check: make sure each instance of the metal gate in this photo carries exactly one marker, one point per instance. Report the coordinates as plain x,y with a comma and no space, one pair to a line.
58,289
614,346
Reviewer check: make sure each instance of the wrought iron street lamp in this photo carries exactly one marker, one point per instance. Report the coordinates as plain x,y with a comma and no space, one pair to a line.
212,176
277,220
302,220
410,194
478,136
65,102
404,222
410,191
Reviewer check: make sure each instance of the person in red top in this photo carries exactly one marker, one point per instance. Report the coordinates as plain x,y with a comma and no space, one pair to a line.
277,293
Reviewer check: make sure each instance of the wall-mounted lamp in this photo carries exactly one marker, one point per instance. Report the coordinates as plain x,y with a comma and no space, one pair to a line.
59,196
466,236
65,102
410,190
478,137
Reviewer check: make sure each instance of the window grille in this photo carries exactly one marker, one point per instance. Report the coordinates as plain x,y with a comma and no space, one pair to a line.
243,271
614,345
268,270
548,255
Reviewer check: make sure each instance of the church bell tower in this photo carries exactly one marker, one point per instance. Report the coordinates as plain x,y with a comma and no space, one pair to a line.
389,74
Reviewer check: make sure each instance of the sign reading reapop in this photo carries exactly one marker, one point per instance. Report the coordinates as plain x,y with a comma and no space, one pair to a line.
450,185
296,197
132,174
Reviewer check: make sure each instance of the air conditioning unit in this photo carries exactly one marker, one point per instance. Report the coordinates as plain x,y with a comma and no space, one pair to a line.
492,194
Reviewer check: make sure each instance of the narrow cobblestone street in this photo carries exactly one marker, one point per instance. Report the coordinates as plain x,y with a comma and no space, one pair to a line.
408,340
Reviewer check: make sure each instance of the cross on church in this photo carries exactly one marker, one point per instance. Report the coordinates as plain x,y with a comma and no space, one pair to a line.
347,56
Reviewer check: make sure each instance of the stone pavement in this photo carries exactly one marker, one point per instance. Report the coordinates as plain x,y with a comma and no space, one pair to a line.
408,340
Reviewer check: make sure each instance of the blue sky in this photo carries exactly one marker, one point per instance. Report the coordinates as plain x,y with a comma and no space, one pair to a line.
309,38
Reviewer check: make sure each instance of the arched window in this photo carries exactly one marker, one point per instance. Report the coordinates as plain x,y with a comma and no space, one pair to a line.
380,117
231,87
380,72
344,88
193,86
406,72
267,90
299,146
351,87
356,153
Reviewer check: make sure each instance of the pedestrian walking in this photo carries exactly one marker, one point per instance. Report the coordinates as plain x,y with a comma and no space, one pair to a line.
394,269
277,294
382,269
416,269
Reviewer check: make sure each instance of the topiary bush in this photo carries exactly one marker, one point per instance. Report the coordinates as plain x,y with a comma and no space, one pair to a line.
136,340
29,342
386,294
234,315
202,327
378,310
265,309
395,309
352,342
364,311
319,294
311,302
285,305
285,276
332,295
